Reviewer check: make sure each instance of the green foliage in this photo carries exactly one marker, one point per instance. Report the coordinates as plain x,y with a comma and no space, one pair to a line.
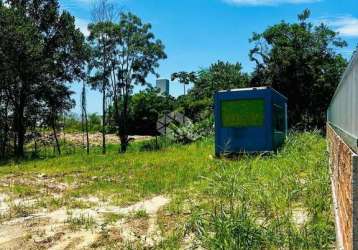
145,109
190,132
184,78
124,55
193,108
83,221
198,104
47,51
299,60
72,123
219,76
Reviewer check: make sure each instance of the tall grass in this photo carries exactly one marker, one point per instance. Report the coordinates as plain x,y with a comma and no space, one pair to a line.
280,201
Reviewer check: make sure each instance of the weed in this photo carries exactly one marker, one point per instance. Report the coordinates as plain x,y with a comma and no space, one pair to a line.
110,218
22,190
83,221
19,210
140,214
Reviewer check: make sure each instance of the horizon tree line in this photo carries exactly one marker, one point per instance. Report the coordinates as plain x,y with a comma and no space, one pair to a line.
49,52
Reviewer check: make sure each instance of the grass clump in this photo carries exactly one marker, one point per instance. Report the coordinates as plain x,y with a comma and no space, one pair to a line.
83,221
110,218
140,214
254,200
22,190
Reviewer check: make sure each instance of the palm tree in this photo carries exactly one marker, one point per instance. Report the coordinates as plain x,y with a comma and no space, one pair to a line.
184,77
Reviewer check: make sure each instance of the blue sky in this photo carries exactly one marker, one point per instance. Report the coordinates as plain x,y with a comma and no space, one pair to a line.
197,33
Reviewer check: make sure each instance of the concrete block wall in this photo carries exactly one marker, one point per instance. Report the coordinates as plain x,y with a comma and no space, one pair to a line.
343,163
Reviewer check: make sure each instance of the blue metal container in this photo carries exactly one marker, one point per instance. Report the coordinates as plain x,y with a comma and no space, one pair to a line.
249,120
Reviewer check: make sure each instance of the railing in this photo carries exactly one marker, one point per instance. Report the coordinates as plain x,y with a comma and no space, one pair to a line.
342,113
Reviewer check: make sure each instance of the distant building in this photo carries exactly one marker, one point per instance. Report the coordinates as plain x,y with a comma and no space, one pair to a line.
163,86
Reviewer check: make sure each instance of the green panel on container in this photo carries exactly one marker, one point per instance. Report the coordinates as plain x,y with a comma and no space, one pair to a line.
242,113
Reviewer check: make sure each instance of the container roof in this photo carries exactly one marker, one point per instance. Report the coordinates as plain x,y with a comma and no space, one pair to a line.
252,89
243,89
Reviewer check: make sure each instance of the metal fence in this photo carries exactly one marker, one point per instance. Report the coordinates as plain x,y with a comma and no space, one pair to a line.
342,113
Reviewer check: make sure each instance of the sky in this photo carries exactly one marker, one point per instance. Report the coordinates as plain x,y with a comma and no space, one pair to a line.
197,33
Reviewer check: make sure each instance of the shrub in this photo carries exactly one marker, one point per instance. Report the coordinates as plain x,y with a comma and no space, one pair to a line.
190,132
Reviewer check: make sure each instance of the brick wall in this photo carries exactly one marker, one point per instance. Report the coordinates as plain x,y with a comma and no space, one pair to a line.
344,176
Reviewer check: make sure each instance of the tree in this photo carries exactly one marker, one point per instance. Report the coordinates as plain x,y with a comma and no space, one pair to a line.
219,76
102,42
47,51
137,53
299,60
184,78
20,71
146,107
84,120
198,103
58,99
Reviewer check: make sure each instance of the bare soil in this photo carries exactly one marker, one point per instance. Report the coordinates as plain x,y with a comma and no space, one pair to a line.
77,228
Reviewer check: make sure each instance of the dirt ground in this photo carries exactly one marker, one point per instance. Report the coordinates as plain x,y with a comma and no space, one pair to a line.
96,138
31,223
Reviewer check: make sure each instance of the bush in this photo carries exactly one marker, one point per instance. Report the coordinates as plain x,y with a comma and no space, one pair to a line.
155,144
190,132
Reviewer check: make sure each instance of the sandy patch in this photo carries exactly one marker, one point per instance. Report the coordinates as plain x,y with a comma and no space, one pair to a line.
300,216
95,139
80,228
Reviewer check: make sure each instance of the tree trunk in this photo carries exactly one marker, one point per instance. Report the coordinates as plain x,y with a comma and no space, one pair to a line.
83,128
103,119
20,132
55,135
6,132
123,132
64,128
86,127
124,143
20,143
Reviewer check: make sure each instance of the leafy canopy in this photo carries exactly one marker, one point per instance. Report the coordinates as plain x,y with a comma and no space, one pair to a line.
300,61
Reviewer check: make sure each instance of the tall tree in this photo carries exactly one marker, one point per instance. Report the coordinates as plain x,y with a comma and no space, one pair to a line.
84,120
300,61
145,109
58,99
102,42
219,76
184,78
47,52
198,103
123,56
20,71
138,54
103,13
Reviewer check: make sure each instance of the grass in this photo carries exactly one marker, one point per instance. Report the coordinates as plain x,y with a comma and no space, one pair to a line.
110,218
83,221
249,202
254,201
140,214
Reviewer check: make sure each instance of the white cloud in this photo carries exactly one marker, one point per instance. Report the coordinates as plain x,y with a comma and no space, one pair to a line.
345,25
82,25
268,2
